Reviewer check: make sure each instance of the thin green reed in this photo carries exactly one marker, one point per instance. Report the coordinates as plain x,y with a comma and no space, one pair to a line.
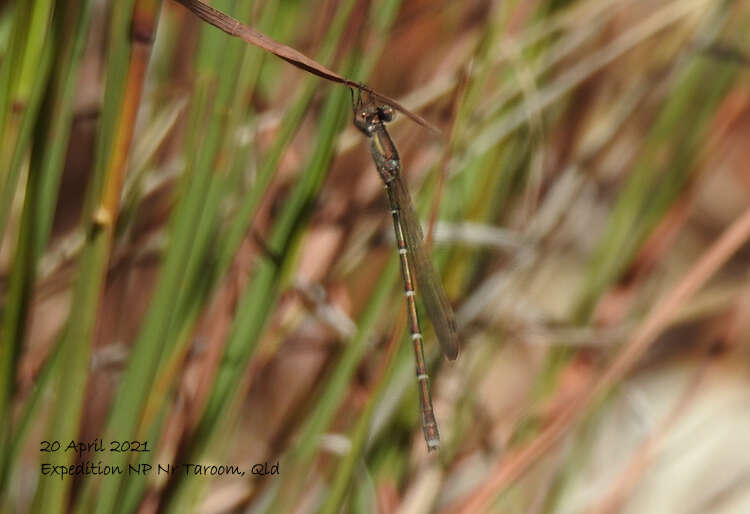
28,77
257,301
23,77
240,347
99,218
193,219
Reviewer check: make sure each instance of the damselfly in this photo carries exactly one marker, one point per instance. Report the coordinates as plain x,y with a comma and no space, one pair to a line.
371,117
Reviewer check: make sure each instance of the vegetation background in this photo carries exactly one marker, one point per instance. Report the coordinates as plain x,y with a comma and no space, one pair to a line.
196,253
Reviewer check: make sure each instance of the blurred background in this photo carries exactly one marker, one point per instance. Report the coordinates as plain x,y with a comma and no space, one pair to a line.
198,257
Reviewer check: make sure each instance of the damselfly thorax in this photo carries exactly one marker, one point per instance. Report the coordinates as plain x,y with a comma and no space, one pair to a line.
370,118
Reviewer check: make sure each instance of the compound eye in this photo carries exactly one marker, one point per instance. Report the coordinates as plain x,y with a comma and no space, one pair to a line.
385,112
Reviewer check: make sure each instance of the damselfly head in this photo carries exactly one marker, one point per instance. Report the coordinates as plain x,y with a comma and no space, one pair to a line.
368,113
